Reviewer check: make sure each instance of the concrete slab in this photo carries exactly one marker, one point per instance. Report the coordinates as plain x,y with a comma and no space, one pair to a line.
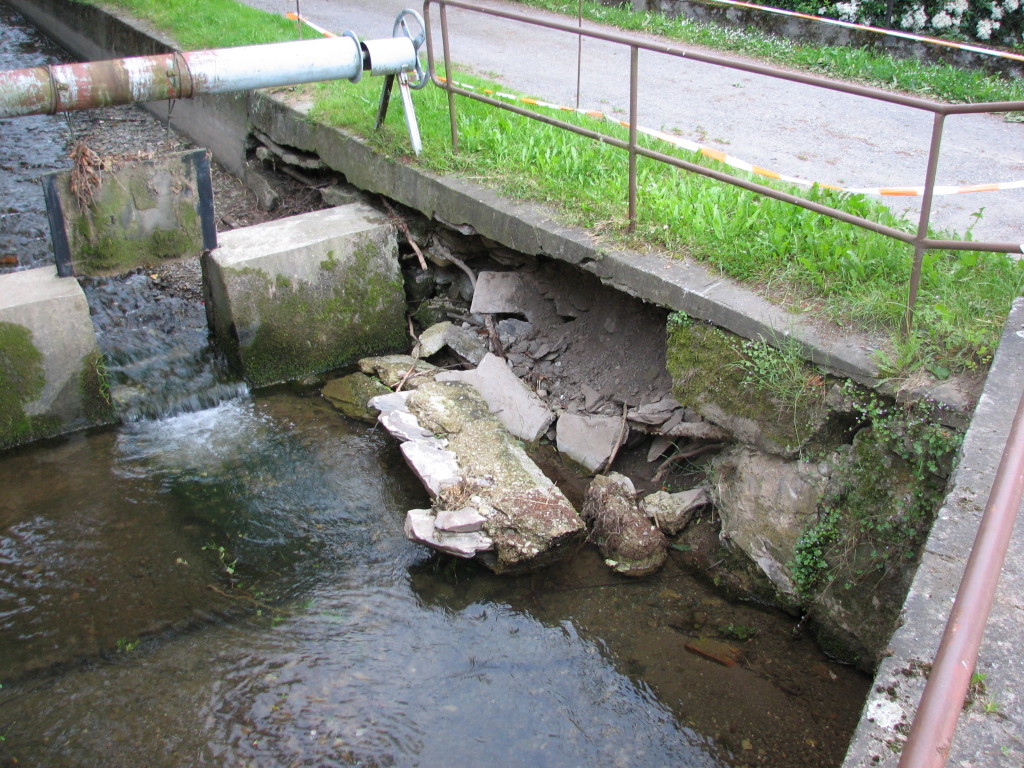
587,440
306,294
49,360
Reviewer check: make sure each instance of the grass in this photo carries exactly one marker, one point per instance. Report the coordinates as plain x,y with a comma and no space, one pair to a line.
806,261
938,81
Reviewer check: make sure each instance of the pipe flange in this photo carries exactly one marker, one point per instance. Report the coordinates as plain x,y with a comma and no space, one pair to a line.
359,52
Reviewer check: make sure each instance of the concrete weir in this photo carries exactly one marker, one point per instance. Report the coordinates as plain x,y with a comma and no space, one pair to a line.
306,294
49,358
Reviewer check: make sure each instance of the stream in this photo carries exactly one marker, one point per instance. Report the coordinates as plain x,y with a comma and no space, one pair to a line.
223,580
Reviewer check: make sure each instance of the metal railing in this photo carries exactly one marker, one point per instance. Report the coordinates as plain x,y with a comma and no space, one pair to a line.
931,733
919,239
935,722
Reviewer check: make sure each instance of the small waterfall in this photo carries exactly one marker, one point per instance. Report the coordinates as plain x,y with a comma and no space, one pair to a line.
157,347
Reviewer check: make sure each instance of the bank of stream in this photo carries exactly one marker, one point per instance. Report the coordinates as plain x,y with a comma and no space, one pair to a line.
229,584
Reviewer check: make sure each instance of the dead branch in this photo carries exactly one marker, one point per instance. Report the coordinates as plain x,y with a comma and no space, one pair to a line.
404,229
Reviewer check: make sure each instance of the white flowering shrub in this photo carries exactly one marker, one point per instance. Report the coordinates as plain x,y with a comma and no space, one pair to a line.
996,22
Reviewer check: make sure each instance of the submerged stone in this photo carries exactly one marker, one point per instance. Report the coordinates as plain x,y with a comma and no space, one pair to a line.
351,395
627,540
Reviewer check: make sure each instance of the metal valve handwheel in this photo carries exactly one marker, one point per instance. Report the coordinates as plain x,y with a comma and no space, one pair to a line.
401,28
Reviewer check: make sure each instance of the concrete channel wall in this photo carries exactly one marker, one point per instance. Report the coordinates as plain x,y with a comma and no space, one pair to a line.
986,738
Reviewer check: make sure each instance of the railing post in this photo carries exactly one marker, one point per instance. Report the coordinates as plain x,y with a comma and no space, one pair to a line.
634,66
923,221
452,119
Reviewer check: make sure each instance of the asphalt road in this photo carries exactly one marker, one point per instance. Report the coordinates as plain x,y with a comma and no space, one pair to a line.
789,128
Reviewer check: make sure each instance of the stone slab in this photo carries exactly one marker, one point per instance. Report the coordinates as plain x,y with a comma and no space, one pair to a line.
49,351
588,440
519,409
305,294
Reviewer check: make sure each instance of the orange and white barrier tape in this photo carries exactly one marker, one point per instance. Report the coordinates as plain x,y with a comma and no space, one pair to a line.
743,165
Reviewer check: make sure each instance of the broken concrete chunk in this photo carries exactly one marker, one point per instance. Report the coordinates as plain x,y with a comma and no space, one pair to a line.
654,413
403,425
351,395
527,516
393,370
432,340
465,344
420,527
465,520
436,467
672,512
523,413
502,292
588,440
390,401
511,329
626,538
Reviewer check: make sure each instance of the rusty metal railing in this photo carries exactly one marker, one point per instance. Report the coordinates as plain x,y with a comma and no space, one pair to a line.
931,733
935,722
940,111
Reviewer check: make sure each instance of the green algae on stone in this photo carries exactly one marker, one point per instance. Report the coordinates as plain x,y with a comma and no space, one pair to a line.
22,379
349,394
290,328
708,375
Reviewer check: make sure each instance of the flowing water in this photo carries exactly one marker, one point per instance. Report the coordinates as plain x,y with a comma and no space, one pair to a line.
223,581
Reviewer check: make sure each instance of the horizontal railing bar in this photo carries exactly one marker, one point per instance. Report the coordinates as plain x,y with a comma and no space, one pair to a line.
877,94
786,197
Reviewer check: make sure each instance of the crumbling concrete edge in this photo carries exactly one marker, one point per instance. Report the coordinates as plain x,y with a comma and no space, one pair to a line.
677,284
990,732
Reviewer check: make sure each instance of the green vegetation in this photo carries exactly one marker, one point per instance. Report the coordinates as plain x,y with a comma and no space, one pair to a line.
882,498
806,261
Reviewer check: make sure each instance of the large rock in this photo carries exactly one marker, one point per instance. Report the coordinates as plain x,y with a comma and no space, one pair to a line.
306,294
478,474
626,538
765,503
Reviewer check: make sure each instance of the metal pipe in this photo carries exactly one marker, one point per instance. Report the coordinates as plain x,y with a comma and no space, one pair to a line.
84,85
634,67
931,733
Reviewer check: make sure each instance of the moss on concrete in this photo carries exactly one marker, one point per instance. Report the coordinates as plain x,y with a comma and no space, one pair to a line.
291,328
22,378
708,375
